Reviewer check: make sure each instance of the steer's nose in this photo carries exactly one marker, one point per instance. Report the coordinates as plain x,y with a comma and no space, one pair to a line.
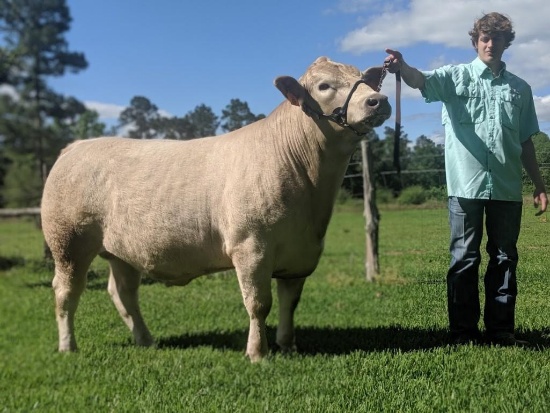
372,102
379,103
379,108
377,99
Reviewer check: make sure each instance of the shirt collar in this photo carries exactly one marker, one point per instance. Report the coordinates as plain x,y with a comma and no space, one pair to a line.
481,68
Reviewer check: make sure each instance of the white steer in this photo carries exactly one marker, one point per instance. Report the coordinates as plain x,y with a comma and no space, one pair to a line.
258,200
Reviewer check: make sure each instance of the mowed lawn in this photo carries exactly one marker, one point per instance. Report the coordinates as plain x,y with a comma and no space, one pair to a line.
364,347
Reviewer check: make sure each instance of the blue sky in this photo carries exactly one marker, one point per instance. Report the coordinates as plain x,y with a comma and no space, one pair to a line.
180,54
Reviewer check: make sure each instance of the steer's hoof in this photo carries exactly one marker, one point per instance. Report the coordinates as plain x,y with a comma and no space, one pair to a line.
67,349
255,359
146,342
67,345
287,348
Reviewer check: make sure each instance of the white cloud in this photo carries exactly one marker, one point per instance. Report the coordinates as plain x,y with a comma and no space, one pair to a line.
422,22
431,22
542,105
107,111
438,138
110,111
531,61
388,88
165,113
8,90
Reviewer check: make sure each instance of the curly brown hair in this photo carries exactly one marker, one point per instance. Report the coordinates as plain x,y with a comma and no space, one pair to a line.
493,23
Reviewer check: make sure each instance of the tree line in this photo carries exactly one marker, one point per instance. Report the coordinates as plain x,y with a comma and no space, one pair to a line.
143,120
36,122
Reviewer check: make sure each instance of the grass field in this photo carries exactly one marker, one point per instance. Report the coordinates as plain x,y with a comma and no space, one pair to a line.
364,347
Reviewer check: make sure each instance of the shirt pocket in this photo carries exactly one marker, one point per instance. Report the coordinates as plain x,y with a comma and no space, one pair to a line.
510,108
469,105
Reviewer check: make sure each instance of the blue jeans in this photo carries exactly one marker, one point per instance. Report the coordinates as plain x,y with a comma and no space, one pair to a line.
502,223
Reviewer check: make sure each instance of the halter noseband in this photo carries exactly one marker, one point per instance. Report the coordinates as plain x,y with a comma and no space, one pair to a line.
340,114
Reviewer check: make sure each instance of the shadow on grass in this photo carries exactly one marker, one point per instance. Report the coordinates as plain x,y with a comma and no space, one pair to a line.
338,341
96,281
7,263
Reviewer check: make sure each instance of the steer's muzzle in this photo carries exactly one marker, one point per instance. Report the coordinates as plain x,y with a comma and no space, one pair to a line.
379,109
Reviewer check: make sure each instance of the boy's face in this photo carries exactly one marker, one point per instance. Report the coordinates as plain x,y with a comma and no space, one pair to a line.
490,47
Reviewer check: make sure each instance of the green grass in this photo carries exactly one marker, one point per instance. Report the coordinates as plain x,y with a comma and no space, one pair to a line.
364,347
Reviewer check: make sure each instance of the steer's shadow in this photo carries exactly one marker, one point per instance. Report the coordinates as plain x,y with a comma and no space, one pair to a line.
338,341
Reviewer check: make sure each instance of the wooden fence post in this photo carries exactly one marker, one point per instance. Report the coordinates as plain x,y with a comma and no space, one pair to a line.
371,214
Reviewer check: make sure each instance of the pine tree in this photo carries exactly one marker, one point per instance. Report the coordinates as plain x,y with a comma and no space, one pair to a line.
33,49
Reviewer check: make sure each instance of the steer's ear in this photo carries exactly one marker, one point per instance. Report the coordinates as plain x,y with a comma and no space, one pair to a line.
291,89
372,76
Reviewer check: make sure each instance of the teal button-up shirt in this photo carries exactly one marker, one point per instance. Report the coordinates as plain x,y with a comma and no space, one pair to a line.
486,120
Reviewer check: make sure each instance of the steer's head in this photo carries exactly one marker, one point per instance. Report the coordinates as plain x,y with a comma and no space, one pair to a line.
323,91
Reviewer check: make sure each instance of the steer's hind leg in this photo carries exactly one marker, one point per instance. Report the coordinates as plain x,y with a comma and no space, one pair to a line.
68,284
124,281
288,292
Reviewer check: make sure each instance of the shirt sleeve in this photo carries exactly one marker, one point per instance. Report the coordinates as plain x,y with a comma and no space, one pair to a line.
529,124
437,84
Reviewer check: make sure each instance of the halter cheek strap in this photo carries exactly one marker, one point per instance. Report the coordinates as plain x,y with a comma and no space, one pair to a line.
340,114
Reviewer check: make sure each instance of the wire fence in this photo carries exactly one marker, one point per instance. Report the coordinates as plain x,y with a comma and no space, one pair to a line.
34,198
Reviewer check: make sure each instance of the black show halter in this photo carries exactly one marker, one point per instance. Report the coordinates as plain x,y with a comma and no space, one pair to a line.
340,114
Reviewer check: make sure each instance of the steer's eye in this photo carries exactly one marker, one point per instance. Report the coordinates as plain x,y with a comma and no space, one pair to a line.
324,86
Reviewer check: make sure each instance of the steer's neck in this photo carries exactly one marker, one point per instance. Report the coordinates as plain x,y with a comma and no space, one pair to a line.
328,181
318,153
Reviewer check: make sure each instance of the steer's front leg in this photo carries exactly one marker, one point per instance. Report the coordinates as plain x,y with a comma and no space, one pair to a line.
289,292
255,283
